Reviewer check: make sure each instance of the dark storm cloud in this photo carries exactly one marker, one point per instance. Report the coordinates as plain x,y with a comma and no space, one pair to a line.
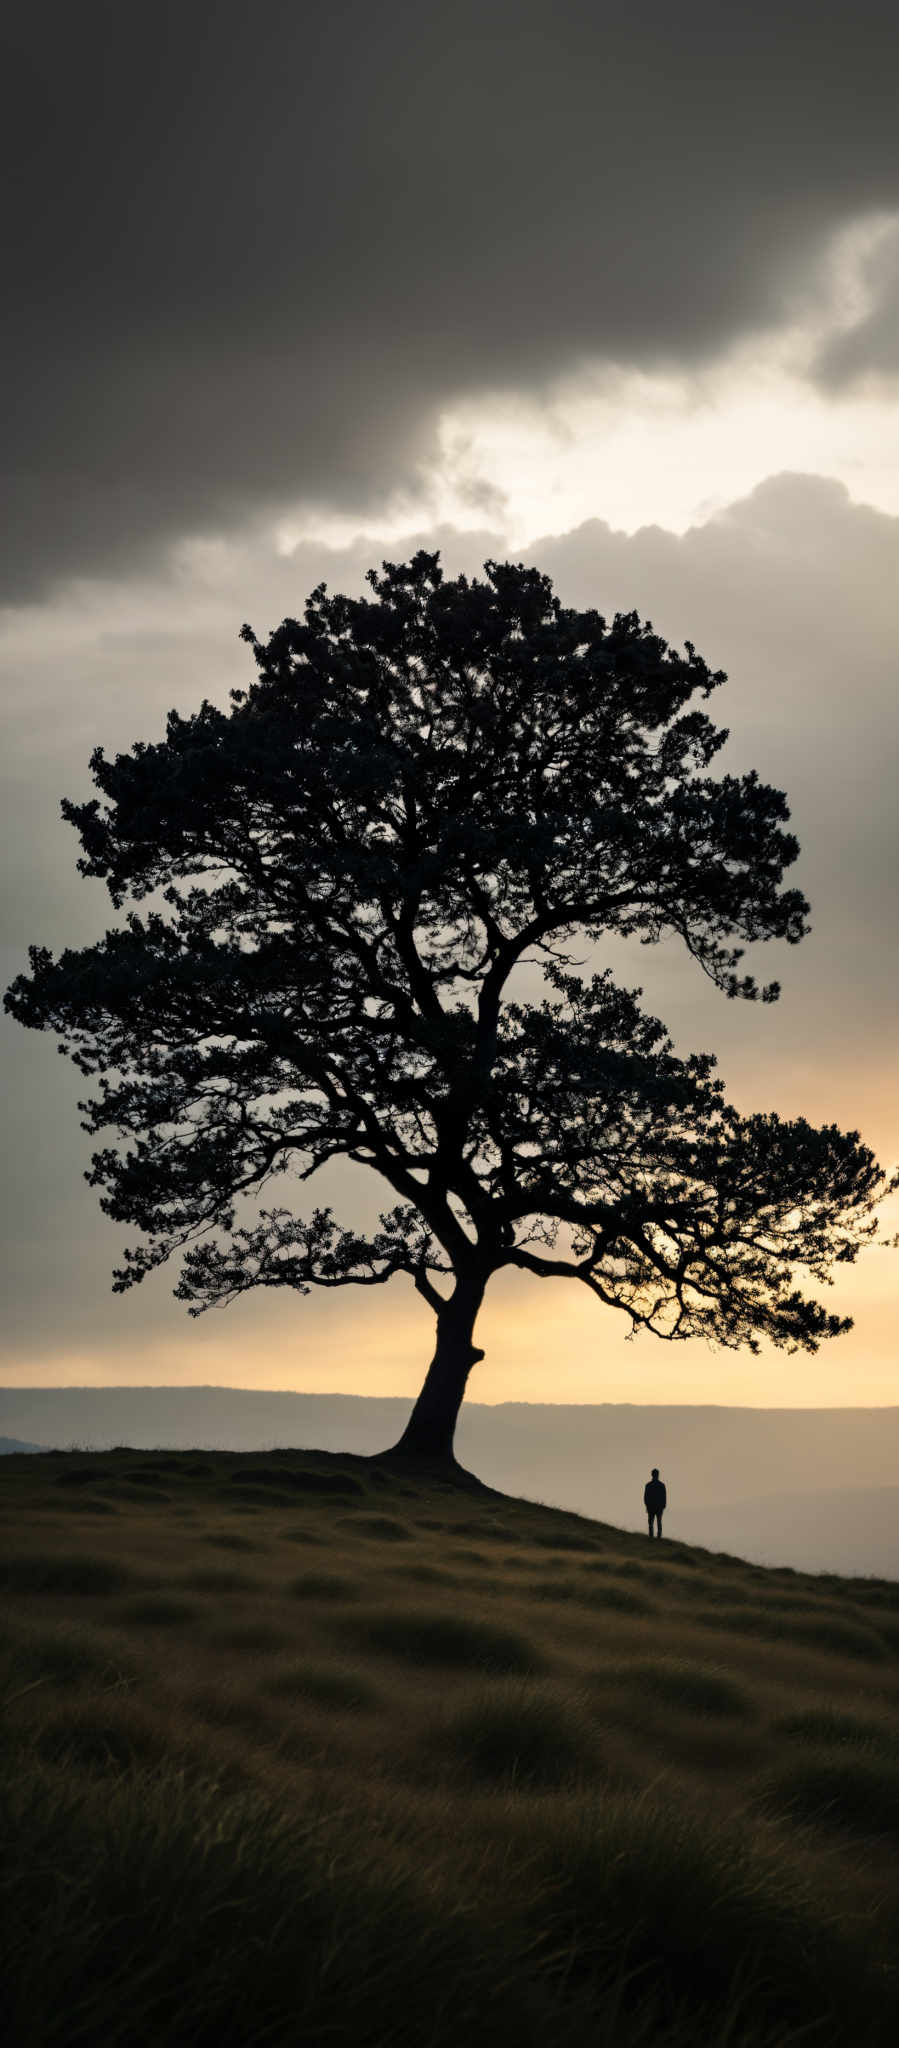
869,348
255,248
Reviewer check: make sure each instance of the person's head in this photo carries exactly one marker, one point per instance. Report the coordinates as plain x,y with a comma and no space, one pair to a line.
655,1471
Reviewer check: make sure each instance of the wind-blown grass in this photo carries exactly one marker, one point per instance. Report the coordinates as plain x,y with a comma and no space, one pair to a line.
854,1789
327,1586
690,1688
839,1730
447,1641
159,1610
502,1774
66,1574
328,1686
510,1734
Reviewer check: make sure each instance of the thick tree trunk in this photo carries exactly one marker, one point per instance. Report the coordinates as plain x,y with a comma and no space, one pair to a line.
431,1427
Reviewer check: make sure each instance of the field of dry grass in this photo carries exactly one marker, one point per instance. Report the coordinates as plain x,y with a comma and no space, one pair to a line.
296,1750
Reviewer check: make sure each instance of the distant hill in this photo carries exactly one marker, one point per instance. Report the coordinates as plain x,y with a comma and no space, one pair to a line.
815,1488
9,1444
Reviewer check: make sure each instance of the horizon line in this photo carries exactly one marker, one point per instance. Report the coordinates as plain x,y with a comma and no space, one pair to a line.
312,1394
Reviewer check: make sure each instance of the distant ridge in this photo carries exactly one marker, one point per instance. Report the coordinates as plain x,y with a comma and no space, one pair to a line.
9,1444
817,1488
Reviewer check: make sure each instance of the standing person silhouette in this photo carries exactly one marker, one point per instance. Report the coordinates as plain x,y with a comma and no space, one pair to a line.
655,1501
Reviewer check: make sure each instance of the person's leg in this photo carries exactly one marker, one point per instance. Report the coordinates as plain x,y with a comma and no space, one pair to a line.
659,1523
650,1524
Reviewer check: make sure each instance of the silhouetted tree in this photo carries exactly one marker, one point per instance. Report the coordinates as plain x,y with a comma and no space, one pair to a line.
422,791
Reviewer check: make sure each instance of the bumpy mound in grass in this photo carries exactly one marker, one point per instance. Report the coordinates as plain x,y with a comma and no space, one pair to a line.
67,1574
552,1588
79,1475
335,1687
245,1638
711,1926
830,1635
844,1638
853,1790
159,1610
322,1586
235,1711
245,1926
688,1688
618,1599
485,1531
835,1729
427,1574
76,1504
62,1656
385,1527
247,1494
219,1579
105,1734
510,1734
295,1479
451,1640
147,1476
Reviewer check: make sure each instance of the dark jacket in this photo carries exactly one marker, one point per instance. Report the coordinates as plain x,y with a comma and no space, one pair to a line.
655,1497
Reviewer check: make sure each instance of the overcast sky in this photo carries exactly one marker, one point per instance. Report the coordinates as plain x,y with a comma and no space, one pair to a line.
614,289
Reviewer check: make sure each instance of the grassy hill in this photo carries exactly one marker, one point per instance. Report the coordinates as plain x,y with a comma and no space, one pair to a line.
300,1750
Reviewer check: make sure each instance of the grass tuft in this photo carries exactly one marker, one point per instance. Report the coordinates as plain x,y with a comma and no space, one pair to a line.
248,1493
243,1637
322,1586
227,1708
851,1790
332,1686
384,1526
219,1579
844,1638
619,1599
837,1730
512,1735
112,1734
448,1640
690,1688
61,1656
159,1610
67,1574
700,1912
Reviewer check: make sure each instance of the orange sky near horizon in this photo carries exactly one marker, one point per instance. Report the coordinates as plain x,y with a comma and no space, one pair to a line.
544,1342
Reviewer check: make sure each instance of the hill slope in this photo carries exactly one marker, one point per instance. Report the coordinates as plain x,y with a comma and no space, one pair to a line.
593,1459
304,1749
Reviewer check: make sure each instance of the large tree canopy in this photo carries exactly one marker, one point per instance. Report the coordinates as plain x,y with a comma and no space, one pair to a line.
422,791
